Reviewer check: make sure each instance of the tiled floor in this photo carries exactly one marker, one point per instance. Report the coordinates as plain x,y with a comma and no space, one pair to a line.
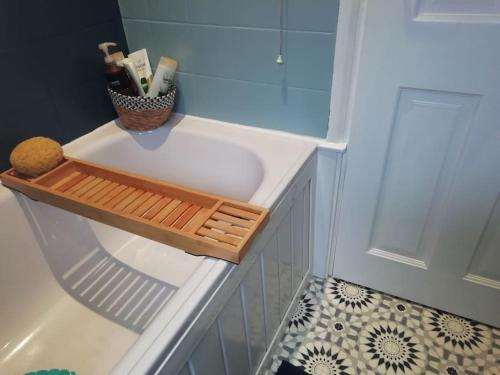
341,328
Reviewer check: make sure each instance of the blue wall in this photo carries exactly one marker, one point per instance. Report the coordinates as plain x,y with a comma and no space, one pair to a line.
52,73
227,49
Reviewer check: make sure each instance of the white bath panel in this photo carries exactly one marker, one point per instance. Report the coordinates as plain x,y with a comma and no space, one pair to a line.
270,271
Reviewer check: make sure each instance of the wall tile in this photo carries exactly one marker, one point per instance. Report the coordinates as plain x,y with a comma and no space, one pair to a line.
135,9
254,53
169,10
20,77
269,106
314,15
39,119
309,59
307,111
80,106
78,62
10,27
49,51
174,40
140,35
256,13
41,20
213,51
238,101
210,12
186,100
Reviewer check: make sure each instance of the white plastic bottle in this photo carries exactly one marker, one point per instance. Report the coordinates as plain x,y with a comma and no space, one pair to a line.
164,75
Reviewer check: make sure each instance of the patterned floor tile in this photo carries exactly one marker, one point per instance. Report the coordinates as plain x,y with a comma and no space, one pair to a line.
339,328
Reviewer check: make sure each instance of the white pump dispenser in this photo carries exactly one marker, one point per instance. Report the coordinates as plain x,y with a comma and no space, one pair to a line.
104,48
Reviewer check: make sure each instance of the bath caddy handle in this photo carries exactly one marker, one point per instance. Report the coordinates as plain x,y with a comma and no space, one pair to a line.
197,222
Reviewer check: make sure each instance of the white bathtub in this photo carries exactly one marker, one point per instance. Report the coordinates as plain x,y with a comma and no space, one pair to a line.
44,323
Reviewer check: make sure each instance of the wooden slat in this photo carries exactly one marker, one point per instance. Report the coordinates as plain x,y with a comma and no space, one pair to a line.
103,192
62,181
143,208
197,220
232,220
238,231
244,206
111,194
72,182
81,184
157,208
194,225
132,206
128,200
80,192
118,198
145,183
233,211
175,214
96,189
218,236
166,211
186,216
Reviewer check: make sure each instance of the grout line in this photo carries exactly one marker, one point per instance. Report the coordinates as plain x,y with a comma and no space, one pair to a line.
241,27
253,82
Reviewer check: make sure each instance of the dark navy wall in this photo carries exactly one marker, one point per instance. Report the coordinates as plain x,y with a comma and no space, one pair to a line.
51,70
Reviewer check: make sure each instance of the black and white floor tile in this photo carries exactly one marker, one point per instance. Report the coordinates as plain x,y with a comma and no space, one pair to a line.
340,328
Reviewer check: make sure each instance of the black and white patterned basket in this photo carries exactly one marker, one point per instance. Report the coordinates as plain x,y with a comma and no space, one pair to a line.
143,113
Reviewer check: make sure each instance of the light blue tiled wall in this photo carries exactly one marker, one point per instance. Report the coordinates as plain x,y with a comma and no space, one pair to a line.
227,49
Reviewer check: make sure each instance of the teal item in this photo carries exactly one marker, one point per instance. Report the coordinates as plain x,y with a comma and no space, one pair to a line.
51,372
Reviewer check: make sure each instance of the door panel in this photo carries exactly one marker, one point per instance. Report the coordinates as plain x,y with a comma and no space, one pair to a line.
419,214
417,173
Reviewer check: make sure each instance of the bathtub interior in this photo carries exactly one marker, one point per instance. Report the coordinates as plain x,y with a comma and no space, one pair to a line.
200,161
63,276
53,319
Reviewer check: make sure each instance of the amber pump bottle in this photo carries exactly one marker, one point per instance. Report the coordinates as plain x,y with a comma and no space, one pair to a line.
118,79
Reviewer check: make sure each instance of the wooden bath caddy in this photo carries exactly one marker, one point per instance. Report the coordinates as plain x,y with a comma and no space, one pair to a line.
197,222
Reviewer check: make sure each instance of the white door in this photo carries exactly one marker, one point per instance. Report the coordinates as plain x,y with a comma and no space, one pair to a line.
420,213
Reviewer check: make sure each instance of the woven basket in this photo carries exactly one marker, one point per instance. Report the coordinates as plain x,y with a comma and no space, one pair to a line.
143,113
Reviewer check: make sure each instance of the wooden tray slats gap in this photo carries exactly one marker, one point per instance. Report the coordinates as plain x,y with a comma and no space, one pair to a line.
197,222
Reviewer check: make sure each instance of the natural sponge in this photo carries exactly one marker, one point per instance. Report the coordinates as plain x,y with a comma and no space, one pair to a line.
36,156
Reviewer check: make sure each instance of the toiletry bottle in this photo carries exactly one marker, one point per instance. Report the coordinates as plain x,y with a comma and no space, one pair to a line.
116,75
163,78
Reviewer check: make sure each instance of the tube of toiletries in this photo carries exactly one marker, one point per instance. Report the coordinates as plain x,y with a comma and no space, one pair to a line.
132,72
164,75
141,62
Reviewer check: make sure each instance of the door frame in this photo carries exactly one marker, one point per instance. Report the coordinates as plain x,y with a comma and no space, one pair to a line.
349,39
